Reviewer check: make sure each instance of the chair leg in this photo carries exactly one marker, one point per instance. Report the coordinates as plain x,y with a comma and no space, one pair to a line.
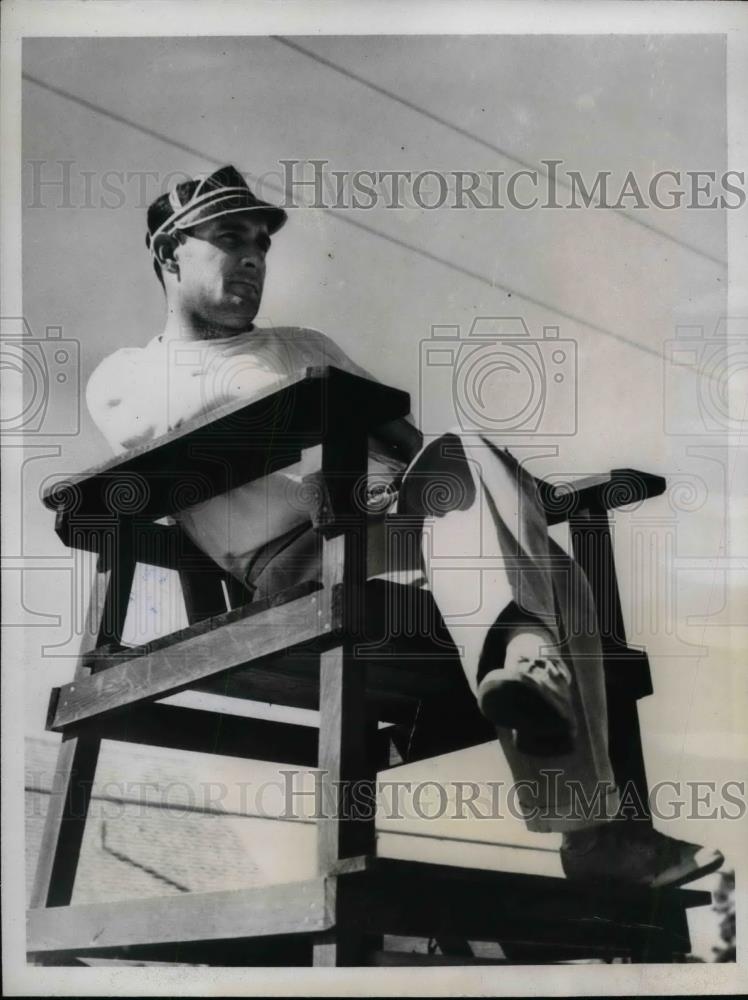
348,773
65,822
592,544
339,947
78,756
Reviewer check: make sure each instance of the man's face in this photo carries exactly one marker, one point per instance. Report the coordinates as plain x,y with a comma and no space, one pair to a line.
222,268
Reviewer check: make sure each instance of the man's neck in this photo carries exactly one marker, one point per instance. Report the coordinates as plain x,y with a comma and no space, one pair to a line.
188,326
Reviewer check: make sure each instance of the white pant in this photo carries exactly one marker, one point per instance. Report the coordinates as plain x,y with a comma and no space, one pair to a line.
487,556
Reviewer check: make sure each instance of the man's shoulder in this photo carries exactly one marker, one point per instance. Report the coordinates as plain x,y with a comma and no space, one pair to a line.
115,367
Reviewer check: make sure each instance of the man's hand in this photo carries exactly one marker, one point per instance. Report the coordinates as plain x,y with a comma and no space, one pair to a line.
402,436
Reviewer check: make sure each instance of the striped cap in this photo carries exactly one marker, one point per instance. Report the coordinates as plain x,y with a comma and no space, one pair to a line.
194,201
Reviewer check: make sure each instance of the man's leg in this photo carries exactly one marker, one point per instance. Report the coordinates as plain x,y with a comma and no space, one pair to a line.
528,613
499,582
576,789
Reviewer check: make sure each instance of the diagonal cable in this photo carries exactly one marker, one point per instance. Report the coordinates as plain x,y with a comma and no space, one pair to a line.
402,244
466,134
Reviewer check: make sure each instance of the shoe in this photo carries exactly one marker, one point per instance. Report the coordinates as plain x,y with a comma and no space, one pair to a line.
532,697
635,853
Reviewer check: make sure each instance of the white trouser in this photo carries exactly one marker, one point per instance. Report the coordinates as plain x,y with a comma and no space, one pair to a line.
488,557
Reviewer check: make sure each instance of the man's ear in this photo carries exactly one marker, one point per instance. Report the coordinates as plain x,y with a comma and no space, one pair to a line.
165,249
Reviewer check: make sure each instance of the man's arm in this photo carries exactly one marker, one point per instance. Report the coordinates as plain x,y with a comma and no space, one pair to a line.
123,418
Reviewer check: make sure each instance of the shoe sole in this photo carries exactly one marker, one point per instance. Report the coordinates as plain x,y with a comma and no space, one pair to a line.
540,729
671,878
688,871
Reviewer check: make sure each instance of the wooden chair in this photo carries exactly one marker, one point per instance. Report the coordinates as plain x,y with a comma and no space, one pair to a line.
318,645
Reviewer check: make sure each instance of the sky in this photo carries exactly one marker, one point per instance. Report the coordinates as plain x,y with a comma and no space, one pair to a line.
617,285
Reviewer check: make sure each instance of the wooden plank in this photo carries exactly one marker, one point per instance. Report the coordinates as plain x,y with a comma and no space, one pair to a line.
414,681
229,446
291,908
292,689
181,665
429,911
606,492
539,885
279,950
270,686
108,655
203,731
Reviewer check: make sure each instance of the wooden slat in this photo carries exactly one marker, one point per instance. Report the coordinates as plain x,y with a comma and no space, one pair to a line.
396,868
407,681
202,731
108,655
295,907
279,950
181,665
292,690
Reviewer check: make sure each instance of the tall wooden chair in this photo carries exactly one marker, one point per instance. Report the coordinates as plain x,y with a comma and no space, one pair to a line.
317,645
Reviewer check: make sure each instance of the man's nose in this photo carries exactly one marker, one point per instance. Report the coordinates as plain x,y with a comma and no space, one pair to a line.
251,260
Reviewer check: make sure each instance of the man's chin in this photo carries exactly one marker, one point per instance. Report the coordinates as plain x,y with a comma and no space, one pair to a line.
239,315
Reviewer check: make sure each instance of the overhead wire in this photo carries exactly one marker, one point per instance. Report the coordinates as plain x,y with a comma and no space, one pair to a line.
188,807
429,255
479,140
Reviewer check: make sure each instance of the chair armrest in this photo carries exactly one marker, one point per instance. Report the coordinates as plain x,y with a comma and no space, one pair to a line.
213,454
604,492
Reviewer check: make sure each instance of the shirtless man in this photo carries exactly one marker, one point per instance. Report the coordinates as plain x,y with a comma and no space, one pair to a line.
542,687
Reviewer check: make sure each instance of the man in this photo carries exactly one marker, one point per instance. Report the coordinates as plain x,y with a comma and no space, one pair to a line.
538,680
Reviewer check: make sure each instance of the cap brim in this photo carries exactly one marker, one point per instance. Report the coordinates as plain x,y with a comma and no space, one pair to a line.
232,205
